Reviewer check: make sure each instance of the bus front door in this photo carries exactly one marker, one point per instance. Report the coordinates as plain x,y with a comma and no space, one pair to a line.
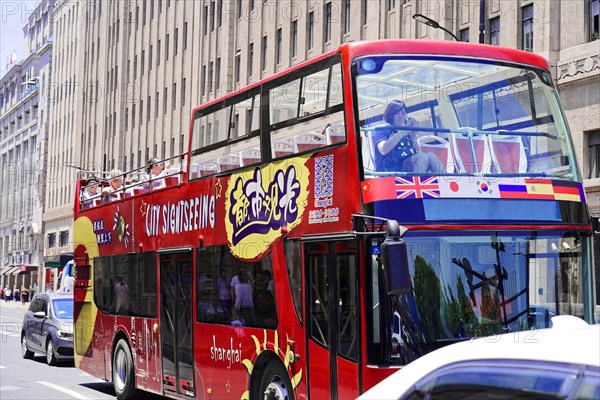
176,330
332,328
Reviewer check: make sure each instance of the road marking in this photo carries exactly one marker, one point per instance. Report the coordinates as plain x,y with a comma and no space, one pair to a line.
2,367
6,388
66,391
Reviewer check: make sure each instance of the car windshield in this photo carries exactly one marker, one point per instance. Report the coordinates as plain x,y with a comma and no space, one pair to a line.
476,116
63,308
468,284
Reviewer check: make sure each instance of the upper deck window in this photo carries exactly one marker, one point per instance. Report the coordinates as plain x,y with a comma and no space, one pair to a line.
477,117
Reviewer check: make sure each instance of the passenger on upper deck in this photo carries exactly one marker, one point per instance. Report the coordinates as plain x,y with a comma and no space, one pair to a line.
395,149
90,191
155,174
114,191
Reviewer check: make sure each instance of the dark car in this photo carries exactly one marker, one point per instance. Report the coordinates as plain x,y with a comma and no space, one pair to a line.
48,327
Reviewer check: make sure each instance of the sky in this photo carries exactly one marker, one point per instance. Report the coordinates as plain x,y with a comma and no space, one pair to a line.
13,16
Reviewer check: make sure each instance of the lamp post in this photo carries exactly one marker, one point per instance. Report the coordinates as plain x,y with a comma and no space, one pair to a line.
434,24
481,21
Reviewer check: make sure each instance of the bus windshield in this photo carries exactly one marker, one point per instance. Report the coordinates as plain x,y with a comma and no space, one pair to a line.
476,116
467,284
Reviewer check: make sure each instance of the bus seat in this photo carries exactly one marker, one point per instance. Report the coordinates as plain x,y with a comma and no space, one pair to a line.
463,153
335,133
250,156
508,154
282,148
171,176
228,162
307,141
438,146
207,168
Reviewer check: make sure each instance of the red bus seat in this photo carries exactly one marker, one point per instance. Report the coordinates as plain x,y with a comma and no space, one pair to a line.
250,156
282,148
463,153
438,146
508,154
307,141
228,162
335,133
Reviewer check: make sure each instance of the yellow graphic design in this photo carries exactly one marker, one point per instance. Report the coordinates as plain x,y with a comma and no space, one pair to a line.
274,346
83,234
261,201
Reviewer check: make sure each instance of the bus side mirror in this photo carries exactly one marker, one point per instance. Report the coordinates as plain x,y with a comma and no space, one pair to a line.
394,255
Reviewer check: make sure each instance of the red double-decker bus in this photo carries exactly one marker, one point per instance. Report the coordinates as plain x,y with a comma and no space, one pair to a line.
334,222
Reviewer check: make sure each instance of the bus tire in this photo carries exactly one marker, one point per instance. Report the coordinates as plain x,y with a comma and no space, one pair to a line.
123,375
275,383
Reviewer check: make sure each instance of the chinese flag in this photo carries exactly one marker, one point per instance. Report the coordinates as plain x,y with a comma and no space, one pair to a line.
378,189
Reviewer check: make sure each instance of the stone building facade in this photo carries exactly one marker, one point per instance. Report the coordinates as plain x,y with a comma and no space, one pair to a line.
140,66
24,115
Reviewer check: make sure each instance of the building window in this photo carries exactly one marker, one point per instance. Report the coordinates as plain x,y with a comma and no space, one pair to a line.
176,42
278,47
594,155
527,28
294,38
209,79
250,58
391,4
464,35
594,20
217,73
238,65
204,21
183,83
346,16
212,16
63,238
52,240
167,48
495,31
219,13
327,27
263,62
185,33
174,96
310,32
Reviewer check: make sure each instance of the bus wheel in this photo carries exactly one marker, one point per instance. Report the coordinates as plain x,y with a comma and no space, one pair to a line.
122,372
275,383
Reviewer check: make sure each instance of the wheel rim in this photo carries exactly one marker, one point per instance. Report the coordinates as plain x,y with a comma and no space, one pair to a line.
24,345
120,369
276,389
49,352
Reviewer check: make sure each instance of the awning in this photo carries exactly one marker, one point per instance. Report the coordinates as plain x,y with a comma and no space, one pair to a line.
9,270
22,269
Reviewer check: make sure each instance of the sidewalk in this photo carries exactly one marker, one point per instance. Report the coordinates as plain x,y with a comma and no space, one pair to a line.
14,304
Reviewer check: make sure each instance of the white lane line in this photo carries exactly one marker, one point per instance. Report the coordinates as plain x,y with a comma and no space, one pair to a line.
2,367
66,391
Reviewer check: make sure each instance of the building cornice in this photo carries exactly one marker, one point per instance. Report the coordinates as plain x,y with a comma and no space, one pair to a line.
578,71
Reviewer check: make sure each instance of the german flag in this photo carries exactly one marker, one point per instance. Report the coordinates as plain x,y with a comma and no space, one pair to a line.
567,190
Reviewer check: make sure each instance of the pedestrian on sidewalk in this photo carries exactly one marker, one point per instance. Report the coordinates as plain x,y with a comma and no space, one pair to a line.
24,294
7,295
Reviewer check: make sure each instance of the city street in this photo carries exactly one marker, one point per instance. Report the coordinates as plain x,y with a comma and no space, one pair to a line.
34,379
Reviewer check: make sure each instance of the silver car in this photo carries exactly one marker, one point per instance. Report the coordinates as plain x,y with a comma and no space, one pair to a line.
48,327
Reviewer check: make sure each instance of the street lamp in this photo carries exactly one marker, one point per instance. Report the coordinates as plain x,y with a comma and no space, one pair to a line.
432,23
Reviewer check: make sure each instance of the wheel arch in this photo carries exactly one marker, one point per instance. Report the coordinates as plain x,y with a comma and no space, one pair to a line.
260,364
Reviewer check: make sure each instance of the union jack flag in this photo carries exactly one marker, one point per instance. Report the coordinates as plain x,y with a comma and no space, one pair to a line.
417,187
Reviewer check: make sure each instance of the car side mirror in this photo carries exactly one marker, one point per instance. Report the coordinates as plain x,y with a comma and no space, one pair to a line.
39,314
